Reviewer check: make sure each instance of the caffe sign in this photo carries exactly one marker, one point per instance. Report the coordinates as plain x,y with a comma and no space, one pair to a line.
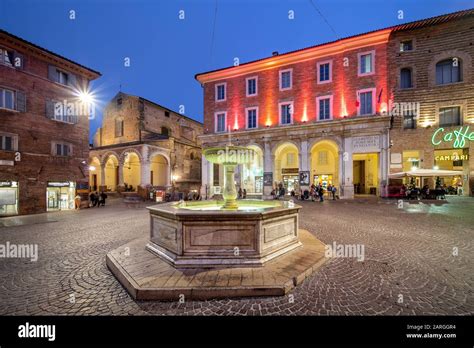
457,137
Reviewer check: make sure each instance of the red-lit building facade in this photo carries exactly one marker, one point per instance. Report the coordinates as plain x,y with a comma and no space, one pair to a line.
312,116
325,114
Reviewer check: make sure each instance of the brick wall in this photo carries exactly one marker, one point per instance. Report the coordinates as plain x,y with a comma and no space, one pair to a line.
35,131
344,86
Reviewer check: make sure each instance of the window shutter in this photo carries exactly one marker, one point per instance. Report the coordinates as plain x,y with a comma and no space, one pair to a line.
21,101
52,73
72,80
18,60
50,109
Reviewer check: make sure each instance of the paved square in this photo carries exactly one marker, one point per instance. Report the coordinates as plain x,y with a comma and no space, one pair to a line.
409,266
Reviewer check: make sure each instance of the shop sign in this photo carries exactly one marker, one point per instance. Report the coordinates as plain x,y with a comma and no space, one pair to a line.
453,157
366,144
458,137
268,179
5,184
58,183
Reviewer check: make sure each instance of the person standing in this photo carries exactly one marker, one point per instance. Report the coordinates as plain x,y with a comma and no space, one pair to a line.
321,193
103,197
93,199
244,194
333,190
77,202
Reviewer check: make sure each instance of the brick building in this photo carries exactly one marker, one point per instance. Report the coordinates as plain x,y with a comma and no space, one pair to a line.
321,114
146,146
431,69
312,116
44,128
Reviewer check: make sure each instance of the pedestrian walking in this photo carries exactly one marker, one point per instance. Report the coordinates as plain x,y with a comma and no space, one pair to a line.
93,198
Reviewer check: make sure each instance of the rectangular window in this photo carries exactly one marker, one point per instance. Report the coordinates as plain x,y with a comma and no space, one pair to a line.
220,92
323,158
7,99
118,128
366,63
409,122
450,116
448,71
290,158
61,111
285,79
221,122
405,78
324,108
7,143
286,113
167,114
251,86
252,116
62,149
406,45
6,57
324,72
62,77
366,102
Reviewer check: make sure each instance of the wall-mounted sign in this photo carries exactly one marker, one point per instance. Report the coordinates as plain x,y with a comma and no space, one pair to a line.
453,157
58,183
5,184
304,178
458,137
366,144
268,179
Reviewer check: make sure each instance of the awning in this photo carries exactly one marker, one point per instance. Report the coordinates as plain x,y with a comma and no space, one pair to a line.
425,173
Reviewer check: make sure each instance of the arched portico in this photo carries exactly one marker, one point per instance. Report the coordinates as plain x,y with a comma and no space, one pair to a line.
324,163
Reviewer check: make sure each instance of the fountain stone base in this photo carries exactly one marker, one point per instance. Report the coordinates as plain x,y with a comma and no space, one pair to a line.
202,236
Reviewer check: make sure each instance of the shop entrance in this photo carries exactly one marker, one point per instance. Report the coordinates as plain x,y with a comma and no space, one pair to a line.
365,173
8,198
290,183
60,196
324,180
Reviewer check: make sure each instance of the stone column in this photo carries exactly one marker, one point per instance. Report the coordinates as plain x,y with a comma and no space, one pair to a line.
304,161
347,187
120,174
145,173
268,161
206,176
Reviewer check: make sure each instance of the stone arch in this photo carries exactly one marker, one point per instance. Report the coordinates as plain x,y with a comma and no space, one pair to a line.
337,141
124,153
278,144
105,157
324,162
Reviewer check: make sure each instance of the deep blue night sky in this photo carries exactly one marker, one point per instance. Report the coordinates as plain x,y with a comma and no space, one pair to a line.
166,52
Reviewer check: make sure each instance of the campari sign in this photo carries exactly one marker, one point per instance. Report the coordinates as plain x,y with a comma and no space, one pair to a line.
457,137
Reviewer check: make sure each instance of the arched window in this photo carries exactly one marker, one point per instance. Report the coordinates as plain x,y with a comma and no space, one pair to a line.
165,131
448,71
406,78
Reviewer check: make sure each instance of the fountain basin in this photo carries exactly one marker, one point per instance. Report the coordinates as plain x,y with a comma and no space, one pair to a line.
202,235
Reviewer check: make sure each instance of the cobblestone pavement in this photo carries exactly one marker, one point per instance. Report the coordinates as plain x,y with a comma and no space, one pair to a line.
409,266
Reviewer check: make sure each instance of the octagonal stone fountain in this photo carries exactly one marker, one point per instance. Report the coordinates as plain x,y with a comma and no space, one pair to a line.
200,241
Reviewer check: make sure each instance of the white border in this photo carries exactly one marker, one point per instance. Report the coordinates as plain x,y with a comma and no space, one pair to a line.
247,87
330,97
374,96
225,91
291,79
373,63
292,113
247,117
318,71
215,121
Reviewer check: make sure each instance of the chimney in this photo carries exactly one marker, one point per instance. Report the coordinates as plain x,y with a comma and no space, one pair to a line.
275,53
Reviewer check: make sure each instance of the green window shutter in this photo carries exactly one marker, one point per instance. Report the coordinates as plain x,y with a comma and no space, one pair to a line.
21,101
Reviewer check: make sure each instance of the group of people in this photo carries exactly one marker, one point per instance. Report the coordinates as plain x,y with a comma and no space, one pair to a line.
242,193
278,192
96,199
